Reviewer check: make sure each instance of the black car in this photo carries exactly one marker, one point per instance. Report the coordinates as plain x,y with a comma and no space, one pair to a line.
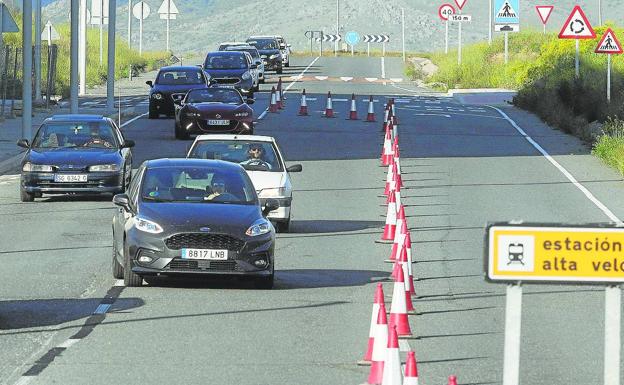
213,110
191,217
270,53
75,154
171,83
230,69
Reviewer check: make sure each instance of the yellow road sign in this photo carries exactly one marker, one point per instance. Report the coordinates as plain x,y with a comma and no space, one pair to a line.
555,253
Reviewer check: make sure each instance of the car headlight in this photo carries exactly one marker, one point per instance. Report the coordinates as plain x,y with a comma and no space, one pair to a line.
30,167
241,114
104,168
259,227
272,56
246,76
157,96
147,226
263,56
192,114
273,192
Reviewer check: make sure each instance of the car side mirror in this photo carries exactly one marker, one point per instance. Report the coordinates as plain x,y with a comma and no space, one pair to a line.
23,143
122,200
128,143
150,83
282,46
177,102
295,168
270,205
253,66
250,101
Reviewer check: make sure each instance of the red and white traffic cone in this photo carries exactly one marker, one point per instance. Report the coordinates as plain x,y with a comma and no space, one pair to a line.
392,365
406,277
353,110
329,109
386,117
397,162
278,100
303,110
387,147
452,380
389,177
399,234
379,299
370,117
390,227
380,346
392,108
395,129
280,95
411,370
273,103
408,248
398,309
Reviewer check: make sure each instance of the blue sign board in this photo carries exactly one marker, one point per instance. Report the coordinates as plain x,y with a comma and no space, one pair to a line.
507,12
352,38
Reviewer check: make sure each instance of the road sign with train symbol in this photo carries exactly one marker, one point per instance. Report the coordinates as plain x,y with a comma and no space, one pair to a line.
577,26
507,16
563,253
609,43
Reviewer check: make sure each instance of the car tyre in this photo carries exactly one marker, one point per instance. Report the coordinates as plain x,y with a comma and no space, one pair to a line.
130,278
118,270
283,227
25,196
179,134
265,283
153,114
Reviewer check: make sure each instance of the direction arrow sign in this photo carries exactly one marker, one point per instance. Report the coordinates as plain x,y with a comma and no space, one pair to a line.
609,43
445,11
7,23
544,12
460,3
50,33
172,11
141,10
577,26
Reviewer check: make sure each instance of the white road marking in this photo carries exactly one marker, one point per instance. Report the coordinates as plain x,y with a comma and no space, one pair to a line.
263,114
396,80
404,346
133,120
119,282
68,343
102,308
366,101
425,114
321,77
371,79
565,172
24,380
346,78
340,100
402,100
310,99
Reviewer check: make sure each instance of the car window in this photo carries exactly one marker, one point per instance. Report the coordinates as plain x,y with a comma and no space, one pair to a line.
133,188
95,134
214,95
197,184
179,77
252,155
225,62
264,43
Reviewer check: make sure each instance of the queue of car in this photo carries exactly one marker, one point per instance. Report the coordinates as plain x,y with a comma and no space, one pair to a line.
213,212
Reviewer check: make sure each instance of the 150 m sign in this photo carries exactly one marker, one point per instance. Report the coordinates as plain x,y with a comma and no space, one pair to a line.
555,253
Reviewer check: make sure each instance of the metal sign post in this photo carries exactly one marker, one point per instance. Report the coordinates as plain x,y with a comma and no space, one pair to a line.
168,11
73,73
37,50
444,12
82,47
141,11
110,78
609,78
577,27
129,23
609,44
513,320
459,40
506,47
613,334
403,31
27,70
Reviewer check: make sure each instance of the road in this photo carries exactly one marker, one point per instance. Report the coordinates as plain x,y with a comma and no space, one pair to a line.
65,320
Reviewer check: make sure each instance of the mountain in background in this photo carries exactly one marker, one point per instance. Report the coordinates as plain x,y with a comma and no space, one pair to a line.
202,24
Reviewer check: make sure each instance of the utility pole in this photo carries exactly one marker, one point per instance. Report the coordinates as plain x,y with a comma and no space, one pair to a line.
129,23
490,24
73,74
110,79
599,12
168,21
38,50
403,31
82,42
337,26
27,69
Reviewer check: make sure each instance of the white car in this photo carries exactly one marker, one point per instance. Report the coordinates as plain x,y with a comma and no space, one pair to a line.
262,159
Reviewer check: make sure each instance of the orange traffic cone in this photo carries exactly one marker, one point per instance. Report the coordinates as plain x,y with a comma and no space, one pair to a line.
379,299
392,365
379,347
303,110
390,227
370,117
398,309
273,104
353,111
387,147
411,370
329,109
452,380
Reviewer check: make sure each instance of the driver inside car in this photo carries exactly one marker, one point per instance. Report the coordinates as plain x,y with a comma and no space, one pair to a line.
96,138
255,155
217,187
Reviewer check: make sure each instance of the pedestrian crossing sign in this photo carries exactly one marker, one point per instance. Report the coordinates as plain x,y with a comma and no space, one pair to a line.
609,43
507,12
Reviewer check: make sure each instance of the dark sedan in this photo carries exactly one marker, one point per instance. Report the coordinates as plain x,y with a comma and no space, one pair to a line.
173,83
75,154
269,50
230,69
190,217
213,110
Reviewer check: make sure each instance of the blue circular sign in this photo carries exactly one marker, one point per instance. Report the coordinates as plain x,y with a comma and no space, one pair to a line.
352,38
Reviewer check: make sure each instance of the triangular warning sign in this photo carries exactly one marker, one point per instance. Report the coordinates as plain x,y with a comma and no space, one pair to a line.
577,26
460,3
544,12
172,8
506,10
609,43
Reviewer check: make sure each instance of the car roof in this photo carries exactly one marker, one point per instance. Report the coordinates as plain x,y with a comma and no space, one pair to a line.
193,162
179,68
76,117
261,37
225,53
256,138
242,46
233,43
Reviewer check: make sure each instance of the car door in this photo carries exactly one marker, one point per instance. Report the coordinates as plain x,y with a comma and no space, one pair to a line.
126,153
253,71
123,218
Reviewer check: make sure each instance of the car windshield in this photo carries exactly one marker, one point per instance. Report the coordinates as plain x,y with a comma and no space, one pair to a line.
76,135
214,95
264,43
197,184
252,51
225,62
179,77
252,155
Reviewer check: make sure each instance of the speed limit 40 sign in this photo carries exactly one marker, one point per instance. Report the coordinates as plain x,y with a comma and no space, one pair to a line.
445,11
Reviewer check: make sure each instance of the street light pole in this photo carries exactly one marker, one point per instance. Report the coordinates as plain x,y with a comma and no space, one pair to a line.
110,79
73,74
337,26
37,50
403,31
490,25
129,23
27,69
82,54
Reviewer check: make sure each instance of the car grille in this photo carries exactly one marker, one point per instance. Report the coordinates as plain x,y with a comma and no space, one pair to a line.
226,80
184,264
204,241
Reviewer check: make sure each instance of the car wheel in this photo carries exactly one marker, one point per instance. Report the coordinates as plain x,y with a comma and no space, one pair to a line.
118,270
283,227
130,278
25,196
179,134
152,114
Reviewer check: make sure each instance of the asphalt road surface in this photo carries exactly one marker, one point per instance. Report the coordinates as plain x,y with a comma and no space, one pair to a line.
65,320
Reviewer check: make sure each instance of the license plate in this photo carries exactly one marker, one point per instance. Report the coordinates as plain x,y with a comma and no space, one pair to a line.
218,122
215,255
226,85
70,178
